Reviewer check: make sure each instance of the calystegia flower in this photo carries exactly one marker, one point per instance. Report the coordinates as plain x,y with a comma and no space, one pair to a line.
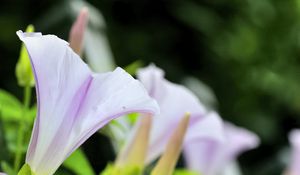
73,102
174,101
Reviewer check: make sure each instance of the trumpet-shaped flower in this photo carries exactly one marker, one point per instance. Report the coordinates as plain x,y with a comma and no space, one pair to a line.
294,138
73,102
174,101
212,158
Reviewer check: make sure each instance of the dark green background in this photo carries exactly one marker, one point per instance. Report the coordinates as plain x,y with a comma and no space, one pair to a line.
247,51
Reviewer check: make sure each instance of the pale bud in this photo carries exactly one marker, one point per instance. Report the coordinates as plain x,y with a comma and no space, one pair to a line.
168,160
76,36
137,152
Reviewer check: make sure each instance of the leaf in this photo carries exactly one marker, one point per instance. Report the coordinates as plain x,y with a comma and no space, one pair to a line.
133,67
79,164
6,97
10,106
3,150
25,170
7,168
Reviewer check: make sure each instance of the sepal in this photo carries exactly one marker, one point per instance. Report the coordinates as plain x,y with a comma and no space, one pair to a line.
167,162
124,170
26,170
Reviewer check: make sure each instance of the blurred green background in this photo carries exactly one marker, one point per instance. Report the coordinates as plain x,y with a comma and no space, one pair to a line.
246,51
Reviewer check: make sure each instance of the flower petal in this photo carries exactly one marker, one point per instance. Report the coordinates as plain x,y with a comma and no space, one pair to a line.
174,101
73,102
294,138
200,139
209,127
239,140
59,75
210,157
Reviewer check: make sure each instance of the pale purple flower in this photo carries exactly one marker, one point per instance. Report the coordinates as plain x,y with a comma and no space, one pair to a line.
73,102
2,174
213,158
294,138
174,102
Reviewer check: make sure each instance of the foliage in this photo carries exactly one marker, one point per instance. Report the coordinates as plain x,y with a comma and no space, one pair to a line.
79,163
246,51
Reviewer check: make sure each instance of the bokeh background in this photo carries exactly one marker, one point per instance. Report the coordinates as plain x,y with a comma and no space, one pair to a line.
242,57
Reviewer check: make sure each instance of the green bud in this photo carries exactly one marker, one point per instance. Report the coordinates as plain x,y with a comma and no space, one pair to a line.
23,69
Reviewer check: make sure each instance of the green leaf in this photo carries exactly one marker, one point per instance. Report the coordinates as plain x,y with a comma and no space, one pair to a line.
79,164
25,170
133,67
7,168
3,151
10,106
10,128
6,97
12,111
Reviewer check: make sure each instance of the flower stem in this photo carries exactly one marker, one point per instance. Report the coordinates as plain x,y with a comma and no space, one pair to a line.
20,136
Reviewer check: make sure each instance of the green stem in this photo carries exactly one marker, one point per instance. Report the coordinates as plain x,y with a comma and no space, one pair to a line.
20,136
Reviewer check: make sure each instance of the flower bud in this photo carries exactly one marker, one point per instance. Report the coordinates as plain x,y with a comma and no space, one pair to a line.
136,154
24,72
77,31
168,160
